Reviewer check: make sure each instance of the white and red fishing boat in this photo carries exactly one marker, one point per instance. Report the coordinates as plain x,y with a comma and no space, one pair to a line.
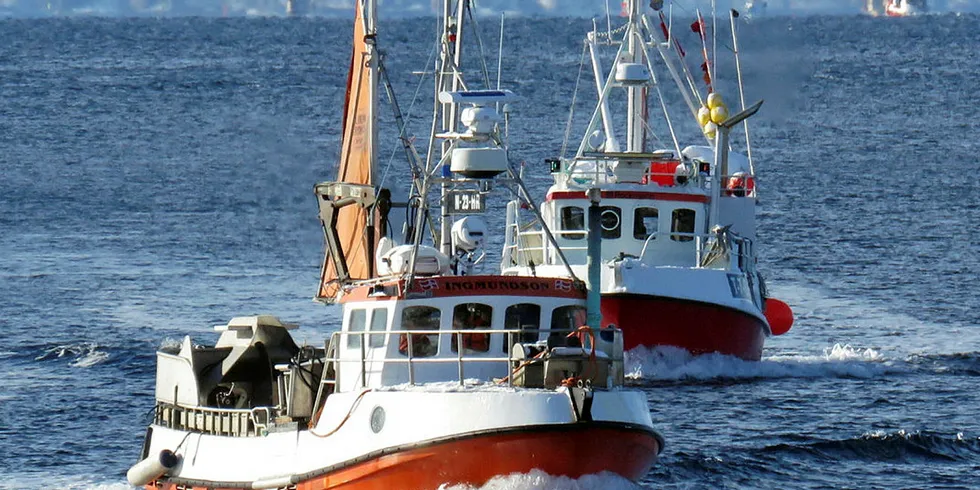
438,374
679,265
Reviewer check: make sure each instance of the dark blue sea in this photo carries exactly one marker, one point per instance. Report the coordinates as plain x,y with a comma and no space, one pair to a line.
156,179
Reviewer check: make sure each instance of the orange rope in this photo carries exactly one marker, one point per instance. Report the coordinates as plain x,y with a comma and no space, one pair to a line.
521,366
342,422
580,332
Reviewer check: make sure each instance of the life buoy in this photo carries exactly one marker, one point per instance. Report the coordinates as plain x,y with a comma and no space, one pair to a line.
739,184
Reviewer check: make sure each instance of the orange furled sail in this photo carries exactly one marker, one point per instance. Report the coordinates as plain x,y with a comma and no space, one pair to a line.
354,233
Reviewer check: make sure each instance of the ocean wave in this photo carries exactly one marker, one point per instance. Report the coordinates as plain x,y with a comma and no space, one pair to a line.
25,481
672,364
82,355
964,364
894,446
539,480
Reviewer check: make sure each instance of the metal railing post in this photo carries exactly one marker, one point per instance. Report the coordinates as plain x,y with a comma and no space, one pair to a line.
411,366
459,356
510,358
363,362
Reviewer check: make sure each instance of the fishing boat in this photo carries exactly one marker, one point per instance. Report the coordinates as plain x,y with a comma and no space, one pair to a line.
438,374
904,8
678,231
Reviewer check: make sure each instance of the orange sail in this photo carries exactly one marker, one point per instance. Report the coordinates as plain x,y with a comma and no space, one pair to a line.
357,161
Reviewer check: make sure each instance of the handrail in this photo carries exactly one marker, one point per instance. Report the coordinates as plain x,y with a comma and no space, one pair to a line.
742,246
211,420
698,239
520,252
461,357
255,420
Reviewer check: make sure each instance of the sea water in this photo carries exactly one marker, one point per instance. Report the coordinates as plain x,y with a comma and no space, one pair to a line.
157,179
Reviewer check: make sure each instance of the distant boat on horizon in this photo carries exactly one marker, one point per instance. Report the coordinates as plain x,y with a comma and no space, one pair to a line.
896,8
905,8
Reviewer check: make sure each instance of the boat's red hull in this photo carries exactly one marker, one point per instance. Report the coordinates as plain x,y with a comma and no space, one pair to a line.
700,328
568,450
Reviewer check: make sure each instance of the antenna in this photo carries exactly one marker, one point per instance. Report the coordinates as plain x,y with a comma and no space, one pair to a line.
741,90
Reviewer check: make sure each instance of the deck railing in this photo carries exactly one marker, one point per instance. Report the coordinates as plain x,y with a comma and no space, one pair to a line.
740,252
237,422
461,359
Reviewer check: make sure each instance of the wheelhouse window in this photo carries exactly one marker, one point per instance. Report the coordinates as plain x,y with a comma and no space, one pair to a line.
472,316
379,323
525,317
420,318
611,221
645,223
355,325
682,225
573,220
565,319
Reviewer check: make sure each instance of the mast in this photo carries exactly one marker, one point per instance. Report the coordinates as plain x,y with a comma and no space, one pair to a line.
607,122
347,205
637,95
449,81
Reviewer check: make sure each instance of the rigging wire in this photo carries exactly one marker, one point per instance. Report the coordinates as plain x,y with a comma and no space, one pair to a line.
660,96
408,117
479,43
571,109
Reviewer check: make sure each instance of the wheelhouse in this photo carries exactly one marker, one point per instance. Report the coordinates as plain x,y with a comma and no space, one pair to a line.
421,336
657,211
656,226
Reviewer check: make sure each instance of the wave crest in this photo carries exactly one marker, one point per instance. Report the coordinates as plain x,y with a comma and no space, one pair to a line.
671,363
82,355
895,446
539,480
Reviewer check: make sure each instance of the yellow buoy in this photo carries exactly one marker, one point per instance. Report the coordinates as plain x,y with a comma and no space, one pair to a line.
704,115
710,130
714,100
719,114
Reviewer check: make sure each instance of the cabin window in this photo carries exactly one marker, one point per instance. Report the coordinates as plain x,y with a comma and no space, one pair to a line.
682,225
564,320
611,221
472,316
420,318
573,219
645,223
358,318
525,317
379,323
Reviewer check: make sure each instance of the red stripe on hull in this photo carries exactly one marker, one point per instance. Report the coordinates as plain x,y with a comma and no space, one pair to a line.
700,328
451,286
572,451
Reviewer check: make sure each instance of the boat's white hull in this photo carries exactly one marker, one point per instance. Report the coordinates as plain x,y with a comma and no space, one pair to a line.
701,310
424,438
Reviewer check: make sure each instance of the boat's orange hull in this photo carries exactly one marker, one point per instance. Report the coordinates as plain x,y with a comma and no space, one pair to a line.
571,451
